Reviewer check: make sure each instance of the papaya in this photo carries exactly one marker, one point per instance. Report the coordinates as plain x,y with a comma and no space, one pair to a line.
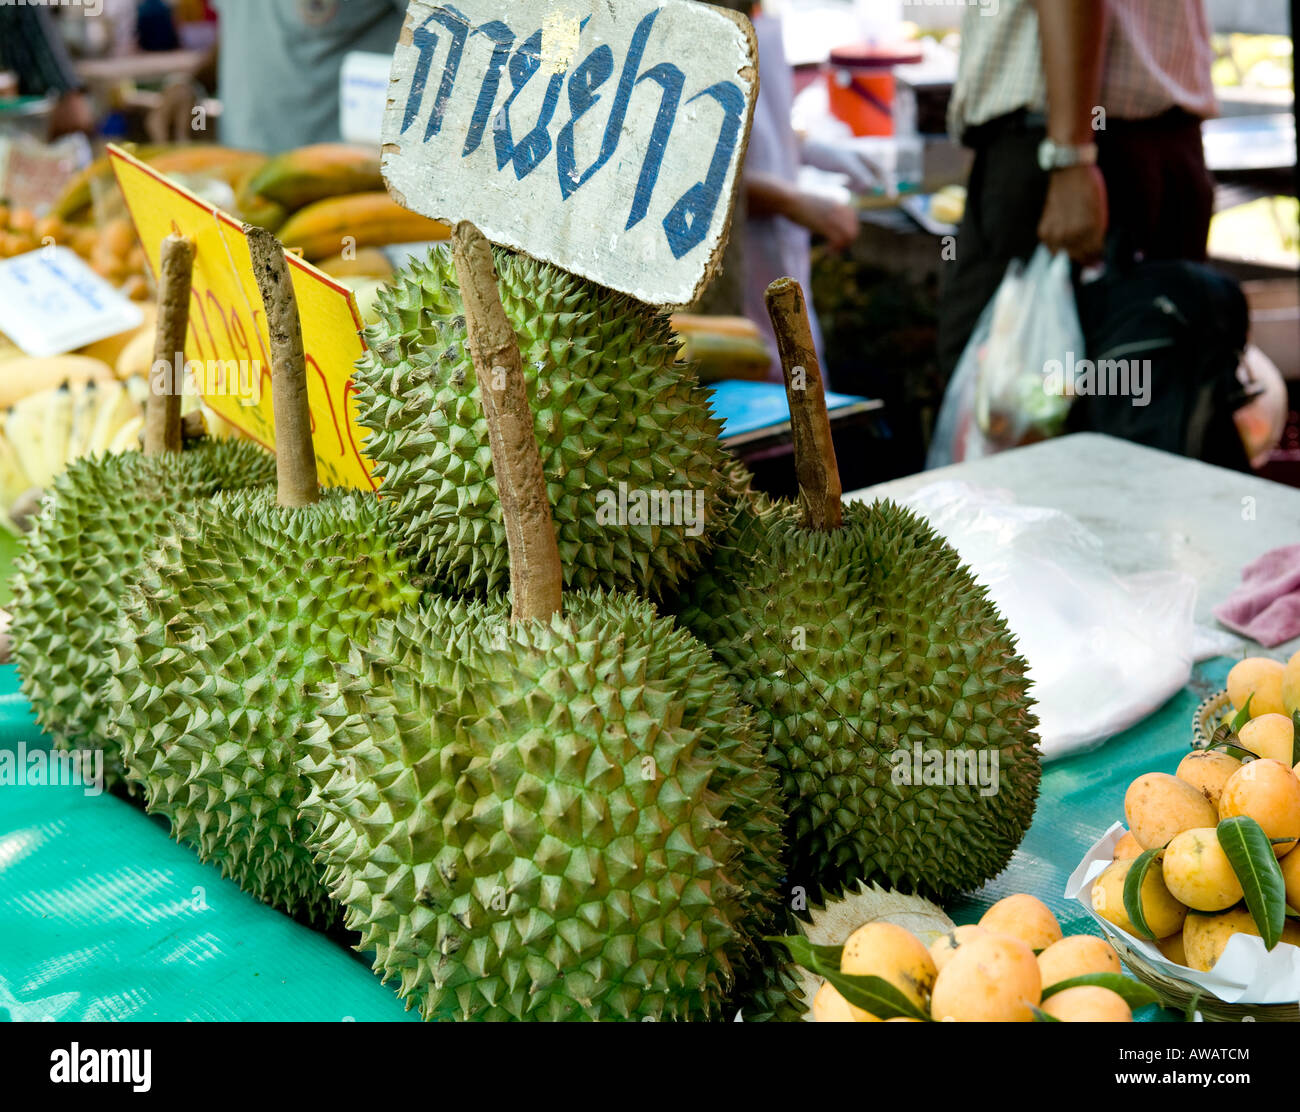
205,160
73,205
369,262
307,175
324,229
261,213
723,347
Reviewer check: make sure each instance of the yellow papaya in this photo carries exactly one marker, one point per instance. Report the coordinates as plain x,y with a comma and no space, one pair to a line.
340,224
304,176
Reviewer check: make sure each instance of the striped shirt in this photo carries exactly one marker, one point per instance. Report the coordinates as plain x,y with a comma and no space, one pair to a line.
1157,57
30,46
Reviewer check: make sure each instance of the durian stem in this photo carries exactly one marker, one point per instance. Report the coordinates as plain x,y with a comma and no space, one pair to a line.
536,578
820,493
162,421
296,478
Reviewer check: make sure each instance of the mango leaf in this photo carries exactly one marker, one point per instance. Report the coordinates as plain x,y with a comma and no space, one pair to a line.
1234,748
1242,716
874,994
1135,993
1041,1016
1250,853
1295,737
1137,873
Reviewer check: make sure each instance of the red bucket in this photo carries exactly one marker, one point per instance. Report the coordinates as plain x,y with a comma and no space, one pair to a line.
861,83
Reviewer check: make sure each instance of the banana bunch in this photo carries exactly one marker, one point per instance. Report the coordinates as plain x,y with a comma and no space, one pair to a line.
43,433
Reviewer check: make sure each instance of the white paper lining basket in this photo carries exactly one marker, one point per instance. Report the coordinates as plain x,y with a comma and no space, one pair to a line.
1248,983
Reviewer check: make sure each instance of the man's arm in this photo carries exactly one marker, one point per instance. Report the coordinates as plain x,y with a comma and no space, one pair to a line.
769,195
1073,34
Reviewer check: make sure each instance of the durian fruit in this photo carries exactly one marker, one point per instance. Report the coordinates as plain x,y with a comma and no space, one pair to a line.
70,581
550,811
625,430
877,666
237,614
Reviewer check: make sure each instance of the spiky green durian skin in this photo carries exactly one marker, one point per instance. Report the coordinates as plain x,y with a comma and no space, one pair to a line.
100,516
611,403
854,646
234,618
768,989
545,821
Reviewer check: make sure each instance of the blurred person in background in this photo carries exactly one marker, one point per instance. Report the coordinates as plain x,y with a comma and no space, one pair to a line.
1085,118
780,218
32,48
281,62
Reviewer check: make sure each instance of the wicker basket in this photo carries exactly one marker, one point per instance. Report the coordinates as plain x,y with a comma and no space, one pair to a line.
1181,995
1210,715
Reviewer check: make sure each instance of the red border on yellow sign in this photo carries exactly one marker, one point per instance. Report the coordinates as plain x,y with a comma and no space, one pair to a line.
228,341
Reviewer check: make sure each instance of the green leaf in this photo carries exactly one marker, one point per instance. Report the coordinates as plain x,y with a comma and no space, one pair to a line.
1041,1016
1242,716
873,994
1234,749
1250,853
1137,873
1295,738
1135,993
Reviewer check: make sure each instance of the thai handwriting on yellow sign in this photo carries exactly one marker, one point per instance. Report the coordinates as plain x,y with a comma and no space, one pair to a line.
226,358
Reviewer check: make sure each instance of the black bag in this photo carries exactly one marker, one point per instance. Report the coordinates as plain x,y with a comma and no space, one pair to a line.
1187,325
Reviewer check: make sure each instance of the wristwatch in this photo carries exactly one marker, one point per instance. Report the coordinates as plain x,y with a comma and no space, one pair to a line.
1062,156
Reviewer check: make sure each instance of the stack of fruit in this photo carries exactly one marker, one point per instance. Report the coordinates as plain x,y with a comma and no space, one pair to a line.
1013,966
556,803
1208,853
57,410
328,201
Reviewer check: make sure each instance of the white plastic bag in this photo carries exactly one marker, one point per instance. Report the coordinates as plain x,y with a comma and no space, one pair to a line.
1004,393
1103,651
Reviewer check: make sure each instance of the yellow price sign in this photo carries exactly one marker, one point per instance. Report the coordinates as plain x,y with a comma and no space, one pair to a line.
226,358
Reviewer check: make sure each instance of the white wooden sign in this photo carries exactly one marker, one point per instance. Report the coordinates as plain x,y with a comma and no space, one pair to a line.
605,136
51,303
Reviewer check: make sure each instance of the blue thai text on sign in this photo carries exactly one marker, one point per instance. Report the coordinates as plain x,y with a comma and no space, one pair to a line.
604,137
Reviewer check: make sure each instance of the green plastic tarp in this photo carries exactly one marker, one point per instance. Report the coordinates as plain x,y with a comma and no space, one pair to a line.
102,916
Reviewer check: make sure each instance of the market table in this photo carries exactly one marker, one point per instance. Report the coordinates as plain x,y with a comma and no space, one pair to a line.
1153,511
101,916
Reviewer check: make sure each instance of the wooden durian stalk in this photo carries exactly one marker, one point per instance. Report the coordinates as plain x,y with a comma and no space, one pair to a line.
162,421
536,577
297,479
821,495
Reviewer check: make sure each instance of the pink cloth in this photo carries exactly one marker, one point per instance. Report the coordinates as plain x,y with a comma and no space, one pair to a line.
1266,607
